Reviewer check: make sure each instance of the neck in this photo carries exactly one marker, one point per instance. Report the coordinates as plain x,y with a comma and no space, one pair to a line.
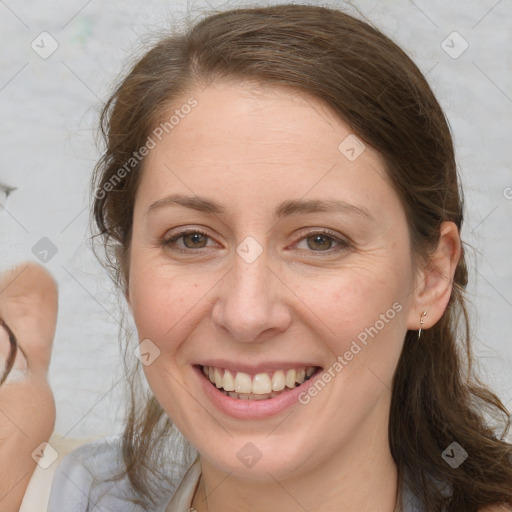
359,476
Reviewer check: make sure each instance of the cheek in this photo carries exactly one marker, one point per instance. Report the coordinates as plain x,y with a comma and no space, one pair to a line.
163,302
354,297
149,293
361,313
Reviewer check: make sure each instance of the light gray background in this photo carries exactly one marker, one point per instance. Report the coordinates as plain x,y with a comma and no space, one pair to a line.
49,111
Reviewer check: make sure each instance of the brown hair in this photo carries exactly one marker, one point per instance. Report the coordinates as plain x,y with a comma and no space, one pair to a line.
9,363
372,85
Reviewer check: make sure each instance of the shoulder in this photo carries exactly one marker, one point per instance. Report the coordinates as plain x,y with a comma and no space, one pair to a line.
77,473
94,473
38,490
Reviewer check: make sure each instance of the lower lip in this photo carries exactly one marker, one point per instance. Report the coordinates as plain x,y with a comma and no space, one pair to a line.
253,409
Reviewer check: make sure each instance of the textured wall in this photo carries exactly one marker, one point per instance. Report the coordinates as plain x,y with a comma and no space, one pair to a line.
49,114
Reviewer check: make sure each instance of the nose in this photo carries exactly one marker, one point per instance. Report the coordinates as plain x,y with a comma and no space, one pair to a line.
251,303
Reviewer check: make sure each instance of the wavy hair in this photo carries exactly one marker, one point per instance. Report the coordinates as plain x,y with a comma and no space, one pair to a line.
374,87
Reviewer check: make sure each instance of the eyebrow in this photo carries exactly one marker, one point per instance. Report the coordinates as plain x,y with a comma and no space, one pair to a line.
284,209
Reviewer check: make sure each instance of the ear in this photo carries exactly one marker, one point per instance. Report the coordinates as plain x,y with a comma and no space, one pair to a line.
434,282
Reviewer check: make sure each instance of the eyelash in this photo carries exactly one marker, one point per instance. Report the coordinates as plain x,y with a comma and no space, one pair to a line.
343,244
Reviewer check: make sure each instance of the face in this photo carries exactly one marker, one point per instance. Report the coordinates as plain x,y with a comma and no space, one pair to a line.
264,288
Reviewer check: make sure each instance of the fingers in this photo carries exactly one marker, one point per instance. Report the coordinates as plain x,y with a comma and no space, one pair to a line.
16,365
28,305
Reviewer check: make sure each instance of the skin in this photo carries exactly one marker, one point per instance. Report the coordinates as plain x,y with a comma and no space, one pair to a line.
28,304
236,313
250,148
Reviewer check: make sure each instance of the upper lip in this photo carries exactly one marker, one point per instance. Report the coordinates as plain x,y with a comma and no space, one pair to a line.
261,367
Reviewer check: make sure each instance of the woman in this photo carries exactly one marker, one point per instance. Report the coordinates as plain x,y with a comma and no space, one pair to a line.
280,203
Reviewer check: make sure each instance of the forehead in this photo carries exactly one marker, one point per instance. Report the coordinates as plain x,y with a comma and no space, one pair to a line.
263,142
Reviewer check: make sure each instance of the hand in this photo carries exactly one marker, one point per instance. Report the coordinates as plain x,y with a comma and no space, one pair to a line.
28,305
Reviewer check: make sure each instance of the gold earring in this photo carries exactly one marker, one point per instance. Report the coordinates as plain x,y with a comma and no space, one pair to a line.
424,314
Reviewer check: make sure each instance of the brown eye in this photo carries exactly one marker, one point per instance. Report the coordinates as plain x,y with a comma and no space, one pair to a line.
322,242
196,240
192,239
319,242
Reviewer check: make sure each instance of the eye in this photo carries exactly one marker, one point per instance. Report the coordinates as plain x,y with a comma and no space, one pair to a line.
193,239
321,242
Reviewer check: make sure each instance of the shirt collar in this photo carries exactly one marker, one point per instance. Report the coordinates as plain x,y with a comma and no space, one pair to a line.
182,498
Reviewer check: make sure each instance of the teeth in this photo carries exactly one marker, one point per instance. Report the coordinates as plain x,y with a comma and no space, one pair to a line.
278,381
257,387
218,378
249,396
243,383
260,397
261,384
301,375
228,382
289,379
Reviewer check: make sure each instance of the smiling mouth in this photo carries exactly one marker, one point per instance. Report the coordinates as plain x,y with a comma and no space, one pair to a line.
259,386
